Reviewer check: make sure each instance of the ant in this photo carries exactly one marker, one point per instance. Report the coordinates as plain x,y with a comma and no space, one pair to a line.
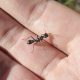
38,39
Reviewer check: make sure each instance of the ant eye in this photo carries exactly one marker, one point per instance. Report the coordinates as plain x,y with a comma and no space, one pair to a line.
46,35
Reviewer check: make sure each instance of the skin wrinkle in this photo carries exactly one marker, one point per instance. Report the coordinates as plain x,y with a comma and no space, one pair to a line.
6,20
31,9
40,13
5,32
44,2
6,35
47,65
22,31
60,56
13,41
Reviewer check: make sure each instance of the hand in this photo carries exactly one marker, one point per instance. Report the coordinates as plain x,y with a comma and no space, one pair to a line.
50,63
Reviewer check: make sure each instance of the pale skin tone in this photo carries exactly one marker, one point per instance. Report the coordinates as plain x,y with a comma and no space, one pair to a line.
45,62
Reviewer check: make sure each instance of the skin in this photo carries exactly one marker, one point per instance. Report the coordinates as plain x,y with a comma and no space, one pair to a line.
56,58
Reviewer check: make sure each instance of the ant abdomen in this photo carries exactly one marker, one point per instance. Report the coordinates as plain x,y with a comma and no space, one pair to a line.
30,41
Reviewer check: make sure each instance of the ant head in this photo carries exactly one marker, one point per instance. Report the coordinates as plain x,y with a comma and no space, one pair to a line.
29,42
45,35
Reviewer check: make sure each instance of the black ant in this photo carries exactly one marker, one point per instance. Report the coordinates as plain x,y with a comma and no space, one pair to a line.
38,39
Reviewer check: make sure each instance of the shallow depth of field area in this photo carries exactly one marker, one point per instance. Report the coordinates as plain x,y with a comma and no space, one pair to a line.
74,4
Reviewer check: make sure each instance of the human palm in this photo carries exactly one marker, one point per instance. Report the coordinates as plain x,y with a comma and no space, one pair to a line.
55,58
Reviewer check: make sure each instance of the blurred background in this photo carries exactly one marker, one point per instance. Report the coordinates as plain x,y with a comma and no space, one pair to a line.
73,4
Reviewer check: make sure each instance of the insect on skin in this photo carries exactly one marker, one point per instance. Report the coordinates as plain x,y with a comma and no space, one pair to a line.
38,39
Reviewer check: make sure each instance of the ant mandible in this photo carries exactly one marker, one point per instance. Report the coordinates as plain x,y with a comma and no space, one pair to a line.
38,39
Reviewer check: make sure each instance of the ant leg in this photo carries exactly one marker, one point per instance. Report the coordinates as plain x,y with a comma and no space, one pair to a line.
34,43
40,38
37,37
26,38
33,46
32,38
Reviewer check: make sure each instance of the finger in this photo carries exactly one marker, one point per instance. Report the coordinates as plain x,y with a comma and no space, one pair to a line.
11,70
18,72
30,5
41,60
70,66
61,22
65,70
